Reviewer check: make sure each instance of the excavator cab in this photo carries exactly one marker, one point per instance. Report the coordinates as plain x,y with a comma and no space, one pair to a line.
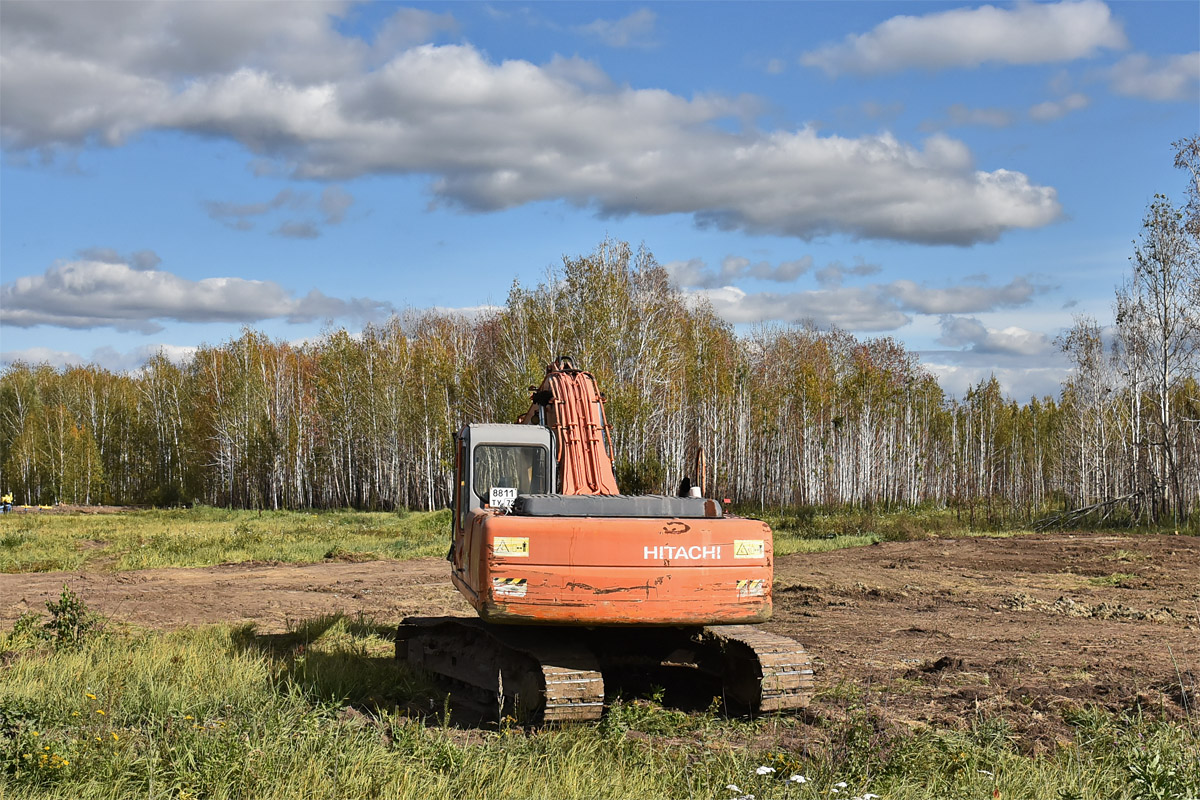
493,465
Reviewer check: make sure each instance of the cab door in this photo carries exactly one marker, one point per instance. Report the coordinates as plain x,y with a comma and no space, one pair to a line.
459,558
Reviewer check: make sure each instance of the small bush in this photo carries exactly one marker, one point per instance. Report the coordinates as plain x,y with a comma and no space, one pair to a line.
71,622
641,477
1158,775
71,625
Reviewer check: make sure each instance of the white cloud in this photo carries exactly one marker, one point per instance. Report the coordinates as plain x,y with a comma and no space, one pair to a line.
141,259
634,30
783,272
1056,109
961,299
875,307
1169,78
42,355
407,27
835,274
695,273
91,294
469,313
853,309
1019,382
106,357
1013,340
1028,33
578,72
1025,362
489,135
298,43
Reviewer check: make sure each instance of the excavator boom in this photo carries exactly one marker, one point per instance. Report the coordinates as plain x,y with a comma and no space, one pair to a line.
569,404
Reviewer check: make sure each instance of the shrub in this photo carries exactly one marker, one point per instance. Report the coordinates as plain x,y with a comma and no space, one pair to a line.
71,622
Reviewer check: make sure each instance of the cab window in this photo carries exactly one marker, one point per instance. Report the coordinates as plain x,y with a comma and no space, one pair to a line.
508,466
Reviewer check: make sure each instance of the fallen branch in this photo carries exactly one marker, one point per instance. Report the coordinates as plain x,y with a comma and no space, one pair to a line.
1074,515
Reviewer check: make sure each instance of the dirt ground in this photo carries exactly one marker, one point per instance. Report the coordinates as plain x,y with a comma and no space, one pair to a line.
938,632
67,508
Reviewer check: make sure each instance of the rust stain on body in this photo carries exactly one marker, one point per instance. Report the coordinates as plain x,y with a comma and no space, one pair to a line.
608,590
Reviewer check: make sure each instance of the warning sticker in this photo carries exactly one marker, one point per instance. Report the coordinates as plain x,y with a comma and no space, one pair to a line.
509,587
511,546
751,588
749,548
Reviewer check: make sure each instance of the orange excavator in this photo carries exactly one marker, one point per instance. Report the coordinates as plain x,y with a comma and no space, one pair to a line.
576,585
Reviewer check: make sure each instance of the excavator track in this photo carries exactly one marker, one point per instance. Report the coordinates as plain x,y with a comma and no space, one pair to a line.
547,675
514,672
763,671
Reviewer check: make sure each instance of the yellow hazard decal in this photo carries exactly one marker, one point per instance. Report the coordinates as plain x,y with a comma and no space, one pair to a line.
751,588
511,546
509,587
749,548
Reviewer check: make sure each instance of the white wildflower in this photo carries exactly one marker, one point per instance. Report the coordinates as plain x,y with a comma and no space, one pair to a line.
733,788
798,779
765,770
841,784
984,772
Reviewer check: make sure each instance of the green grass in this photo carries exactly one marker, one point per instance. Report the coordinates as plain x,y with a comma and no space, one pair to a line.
205,536
224,712
788,542
810,522
810,529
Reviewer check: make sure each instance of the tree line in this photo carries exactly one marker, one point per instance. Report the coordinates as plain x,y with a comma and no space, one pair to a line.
785,416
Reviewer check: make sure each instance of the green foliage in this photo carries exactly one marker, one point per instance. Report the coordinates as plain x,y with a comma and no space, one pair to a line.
203,536
785,417
71,625
853,524
71,622
646,476
1156,775
648,716
27,631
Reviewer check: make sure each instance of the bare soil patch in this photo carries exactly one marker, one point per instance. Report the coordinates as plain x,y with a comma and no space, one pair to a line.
944,633
270,595
68,508
951,632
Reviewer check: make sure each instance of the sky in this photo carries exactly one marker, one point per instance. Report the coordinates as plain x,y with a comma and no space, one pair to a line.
965,178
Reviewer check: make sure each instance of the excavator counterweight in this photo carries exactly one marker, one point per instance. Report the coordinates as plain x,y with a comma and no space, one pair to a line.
575,584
